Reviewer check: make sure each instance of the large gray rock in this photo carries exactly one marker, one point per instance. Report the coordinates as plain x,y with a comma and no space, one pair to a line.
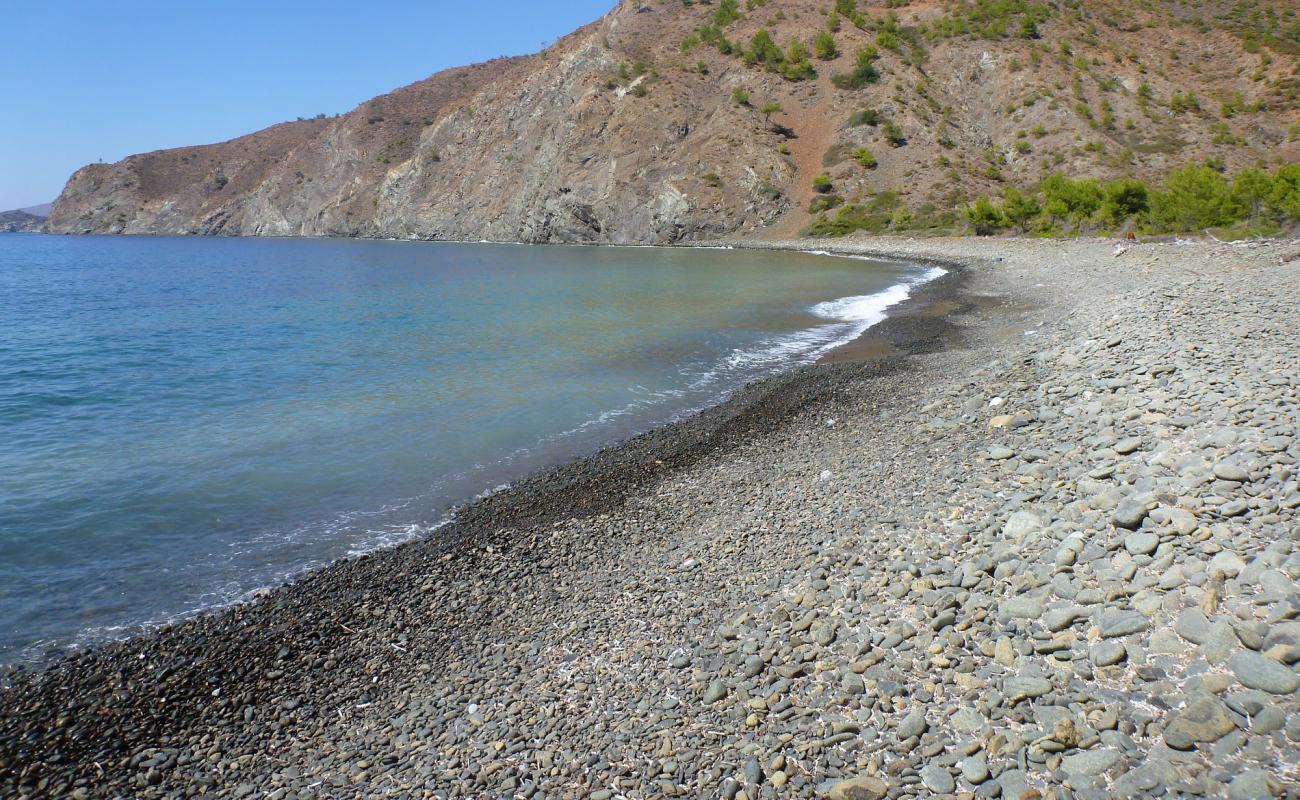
1021,687
1091,762
974,770
1250,784
1021,524
1205,720
1129,514
1141,543
1230,472
1022,607
1192,625
1263,673
913,724
864,788
1226,563
937,779
1106,654
1122,623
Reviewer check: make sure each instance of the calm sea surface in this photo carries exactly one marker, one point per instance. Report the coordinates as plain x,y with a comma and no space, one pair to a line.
183,421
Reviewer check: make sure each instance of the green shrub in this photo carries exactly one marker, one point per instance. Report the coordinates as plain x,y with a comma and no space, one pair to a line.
901,218
1182,103
1250,191
762,50
1069,200
865,158
1194,198
711,179
893,134
1284,199
1144,96
797,67
826,203
739,96
726,13
1124,199
1018,208
867,116
822,183
824,46
863,73
1190,199
984,217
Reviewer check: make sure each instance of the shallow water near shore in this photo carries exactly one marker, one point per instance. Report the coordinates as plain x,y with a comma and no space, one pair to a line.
187,420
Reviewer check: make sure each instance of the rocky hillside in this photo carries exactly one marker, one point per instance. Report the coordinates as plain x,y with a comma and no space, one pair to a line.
673,120
20,222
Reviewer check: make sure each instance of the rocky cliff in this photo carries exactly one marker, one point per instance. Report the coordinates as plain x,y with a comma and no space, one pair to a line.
667,121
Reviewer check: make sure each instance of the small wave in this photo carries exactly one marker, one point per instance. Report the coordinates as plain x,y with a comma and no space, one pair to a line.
853,316
871,308
867,308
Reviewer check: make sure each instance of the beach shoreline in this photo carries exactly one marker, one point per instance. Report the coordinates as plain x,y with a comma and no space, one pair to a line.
307,660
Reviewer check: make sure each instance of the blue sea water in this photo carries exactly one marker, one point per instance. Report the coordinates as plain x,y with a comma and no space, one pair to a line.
185,420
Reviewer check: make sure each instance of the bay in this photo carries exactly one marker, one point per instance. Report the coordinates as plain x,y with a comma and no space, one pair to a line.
185,420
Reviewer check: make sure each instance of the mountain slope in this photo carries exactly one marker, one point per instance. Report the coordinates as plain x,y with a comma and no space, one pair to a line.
666,121
20,222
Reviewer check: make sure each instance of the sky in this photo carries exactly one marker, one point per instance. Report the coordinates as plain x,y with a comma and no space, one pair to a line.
85,80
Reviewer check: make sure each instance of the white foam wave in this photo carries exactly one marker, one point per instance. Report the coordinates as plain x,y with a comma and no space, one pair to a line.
853,316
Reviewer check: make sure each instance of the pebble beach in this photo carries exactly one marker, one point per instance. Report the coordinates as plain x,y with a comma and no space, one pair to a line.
1044,542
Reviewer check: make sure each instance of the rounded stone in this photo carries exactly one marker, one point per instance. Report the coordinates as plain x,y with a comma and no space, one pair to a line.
1261,672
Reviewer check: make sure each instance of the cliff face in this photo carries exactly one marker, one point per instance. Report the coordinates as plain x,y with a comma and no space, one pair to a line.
629,131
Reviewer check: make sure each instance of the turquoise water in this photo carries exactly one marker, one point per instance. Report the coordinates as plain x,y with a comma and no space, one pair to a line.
183,421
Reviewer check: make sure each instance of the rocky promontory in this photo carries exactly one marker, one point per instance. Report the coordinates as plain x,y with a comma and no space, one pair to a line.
1043,545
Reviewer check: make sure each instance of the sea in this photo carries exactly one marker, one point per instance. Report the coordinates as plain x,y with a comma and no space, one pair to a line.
184,421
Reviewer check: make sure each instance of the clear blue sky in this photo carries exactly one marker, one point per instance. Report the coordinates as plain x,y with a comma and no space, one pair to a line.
83,80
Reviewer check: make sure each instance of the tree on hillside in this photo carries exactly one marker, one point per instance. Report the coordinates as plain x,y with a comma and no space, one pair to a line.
726,13
984,217
1018,208
1251,189
1124,199
1284,199
1069,200
864,73
824,46
1194,198
762,50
